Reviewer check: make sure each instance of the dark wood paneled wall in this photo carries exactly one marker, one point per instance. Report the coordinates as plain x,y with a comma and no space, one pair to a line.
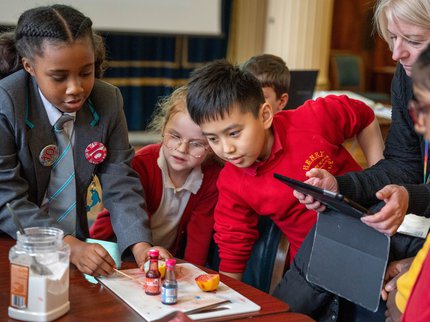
353,31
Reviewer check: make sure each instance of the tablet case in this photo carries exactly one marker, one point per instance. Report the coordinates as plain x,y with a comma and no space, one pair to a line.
349,259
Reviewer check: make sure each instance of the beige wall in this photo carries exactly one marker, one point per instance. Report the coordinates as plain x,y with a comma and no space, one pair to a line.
299,31
247,29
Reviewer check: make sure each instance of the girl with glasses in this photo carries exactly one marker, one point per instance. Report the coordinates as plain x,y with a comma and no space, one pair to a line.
179,180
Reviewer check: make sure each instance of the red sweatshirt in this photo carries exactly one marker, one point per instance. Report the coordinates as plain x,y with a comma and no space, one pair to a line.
418,306
308,137
196,225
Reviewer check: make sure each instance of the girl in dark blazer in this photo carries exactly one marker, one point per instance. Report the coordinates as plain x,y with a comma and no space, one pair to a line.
56,57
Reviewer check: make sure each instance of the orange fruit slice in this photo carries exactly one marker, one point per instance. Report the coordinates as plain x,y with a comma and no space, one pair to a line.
161,267
207,282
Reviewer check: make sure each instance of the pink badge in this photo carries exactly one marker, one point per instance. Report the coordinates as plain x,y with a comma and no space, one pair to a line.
95,152
48,155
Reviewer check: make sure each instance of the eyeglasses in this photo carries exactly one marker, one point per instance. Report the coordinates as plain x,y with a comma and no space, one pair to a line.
416,110
173,142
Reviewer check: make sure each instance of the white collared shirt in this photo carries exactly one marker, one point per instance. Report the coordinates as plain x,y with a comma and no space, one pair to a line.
54,114
165,221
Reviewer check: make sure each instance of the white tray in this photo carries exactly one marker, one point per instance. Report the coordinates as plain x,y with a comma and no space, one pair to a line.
190,296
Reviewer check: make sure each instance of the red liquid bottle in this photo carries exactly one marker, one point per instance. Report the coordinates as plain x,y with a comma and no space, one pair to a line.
153,276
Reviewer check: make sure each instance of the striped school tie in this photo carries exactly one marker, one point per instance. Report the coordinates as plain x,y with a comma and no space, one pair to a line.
62,186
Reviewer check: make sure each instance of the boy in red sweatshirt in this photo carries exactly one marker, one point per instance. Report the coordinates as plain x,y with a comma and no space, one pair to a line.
229,106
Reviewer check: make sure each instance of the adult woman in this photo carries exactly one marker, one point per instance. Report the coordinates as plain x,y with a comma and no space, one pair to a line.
405,25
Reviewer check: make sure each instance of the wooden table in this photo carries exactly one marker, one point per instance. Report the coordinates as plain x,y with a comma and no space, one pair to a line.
94,302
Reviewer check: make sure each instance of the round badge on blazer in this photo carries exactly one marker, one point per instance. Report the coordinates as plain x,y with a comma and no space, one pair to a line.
49,155
95,152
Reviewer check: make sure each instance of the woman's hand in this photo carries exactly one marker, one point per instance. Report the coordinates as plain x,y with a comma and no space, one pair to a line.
391,216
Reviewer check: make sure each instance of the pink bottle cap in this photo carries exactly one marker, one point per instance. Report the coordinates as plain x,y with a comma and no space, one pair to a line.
154,253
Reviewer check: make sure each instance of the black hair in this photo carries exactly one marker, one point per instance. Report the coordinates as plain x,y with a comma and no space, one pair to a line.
421,69
10,61
218,87
271,71
56,24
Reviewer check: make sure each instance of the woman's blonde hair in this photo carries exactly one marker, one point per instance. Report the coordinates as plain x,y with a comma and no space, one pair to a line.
415,12
167,107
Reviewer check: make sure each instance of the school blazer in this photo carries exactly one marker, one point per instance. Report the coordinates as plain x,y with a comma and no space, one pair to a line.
25,130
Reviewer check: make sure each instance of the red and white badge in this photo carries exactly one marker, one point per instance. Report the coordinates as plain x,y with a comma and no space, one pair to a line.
49,155
95,152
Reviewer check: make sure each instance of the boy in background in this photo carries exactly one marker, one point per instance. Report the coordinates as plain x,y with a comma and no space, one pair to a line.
241,128
274,76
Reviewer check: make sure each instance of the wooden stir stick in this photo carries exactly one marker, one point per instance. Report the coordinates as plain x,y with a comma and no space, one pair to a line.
128,276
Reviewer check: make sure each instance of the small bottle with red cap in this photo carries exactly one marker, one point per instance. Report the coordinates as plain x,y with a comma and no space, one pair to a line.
153,276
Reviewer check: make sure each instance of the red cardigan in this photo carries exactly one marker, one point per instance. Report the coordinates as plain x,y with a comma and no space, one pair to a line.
196,224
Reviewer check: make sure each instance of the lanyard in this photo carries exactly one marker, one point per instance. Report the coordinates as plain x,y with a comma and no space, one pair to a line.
426,158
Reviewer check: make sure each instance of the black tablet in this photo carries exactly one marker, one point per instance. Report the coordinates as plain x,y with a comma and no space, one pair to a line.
331,199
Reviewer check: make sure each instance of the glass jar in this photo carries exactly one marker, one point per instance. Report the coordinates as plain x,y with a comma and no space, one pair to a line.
39,265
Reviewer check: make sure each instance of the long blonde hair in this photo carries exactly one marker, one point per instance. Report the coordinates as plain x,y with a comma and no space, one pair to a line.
167,107
415,12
